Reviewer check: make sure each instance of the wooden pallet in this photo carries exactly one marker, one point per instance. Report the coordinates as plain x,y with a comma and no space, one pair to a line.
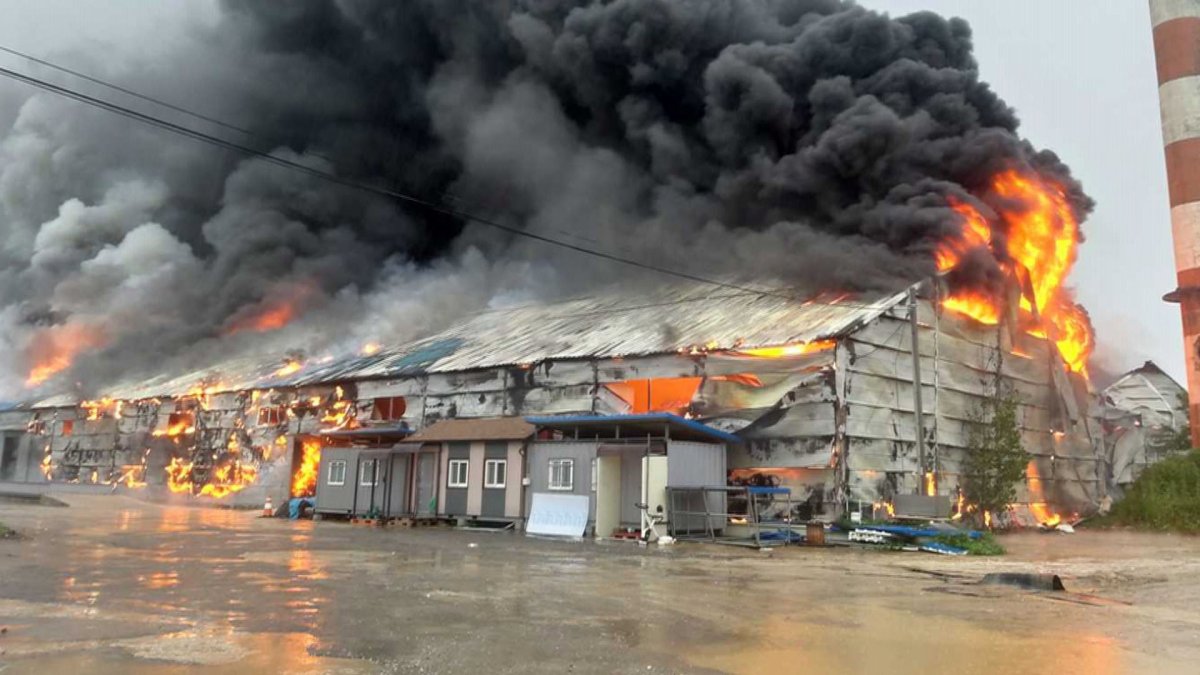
365,521
416,522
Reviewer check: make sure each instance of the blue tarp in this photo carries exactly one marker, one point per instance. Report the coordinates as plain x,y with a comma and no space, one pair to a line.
769,490
910,531
294,506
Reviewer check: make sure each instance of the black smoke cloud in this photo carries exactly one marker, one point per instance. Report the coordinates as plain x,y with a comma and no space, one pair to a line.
807,140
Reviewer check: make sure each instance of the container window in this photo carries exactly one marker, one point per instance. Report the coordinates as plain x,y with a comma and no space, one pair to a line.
337,473
562,474
458,474
495,473
366,474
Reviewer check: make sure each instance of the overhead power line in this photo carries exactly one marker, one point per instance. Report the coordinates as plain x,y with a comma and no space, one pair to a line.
203,137
128,92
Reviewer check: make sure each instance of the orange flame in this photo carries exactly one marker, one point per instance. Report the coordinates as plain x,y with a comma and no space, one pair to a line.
178,424
280,443
179,475
273,312
1041,237
884,505
370,349
975,234
930,484
228,479
797,349
53,349
960,506
106,406
339,414
1037,497
975,305
225,479
133,477
304,480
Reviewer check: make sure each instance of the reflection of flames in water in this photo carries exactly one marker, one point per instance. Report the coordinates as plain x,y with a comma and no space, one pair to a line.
1040,236
304,479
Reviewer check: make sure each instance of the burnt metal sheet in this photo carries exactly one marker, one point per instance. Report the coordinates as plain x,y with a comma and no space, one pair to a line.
671,319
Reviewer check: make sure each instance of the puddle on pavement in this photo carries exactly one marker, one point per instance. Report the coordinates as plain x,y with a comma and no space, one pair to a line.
209,653
180,591
875,639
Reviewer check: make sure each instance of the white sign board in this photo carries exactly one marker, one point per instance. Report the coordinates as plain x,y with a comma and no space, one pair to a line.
558,515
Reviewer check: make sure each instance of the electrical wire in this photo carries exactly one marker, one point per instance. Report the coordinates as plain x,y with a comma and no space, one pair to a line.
200,136
128,92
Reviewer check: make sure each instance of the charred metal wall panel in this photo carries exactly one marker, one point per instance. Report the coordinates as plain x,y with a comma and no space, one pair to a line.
961,363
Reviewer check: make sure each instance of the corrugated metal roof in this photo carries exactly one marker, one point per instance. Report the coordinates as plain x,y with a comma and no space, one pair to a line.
240,374
617,323
667,320
1148,391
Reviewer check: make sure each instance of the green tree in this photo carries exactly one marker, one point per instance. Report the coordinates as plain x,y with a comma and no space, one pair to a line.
1180,441
996,459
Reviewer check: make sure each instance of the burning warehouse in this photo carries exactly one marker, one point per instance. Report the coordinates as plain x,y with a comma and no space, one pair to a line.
819,391
917,248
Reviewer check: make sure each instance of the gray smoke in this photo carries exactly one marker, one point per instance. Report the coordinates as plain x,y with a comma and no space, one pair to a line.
811,141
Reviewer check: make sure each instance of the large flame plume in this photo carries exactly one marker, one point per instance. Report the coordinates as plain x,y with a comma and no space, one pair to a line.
279,309
54,349
1035,237
304,480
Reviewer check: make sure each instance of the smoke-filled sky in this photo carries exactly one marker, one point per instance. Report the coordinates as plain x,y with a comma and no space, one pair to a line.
672,137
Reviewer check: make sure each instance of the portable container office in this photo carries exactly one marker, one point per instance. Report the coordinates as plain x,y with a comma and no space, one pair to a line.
621,461
481,465
373,472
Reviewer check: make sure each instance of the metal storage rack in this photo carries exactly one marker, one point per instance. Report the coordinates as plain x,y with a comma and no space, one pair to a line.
694,510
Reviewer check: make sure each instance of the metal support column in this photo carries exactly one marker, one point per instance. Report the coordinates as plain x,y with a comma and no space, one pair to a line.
918,413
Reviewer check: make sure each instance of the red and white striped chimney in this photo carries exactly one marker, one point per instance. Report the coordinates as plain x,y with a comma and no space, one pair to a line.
1177,52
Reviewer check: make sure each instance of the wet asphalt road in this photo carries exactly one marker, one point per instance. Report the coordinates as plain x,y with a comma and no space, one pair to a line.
115,585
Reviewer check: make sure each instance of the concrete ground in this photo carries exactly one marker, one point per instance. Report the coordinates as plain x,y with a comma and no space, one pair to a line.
114,585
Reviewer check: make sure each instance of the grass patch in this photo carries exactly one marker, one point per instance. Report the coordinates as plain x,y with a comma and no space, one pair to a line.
1165,497
6,531
986,544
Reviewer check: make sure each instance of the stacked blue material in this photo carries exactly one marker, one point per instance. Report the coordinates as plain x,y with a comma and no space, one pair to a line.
296,504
